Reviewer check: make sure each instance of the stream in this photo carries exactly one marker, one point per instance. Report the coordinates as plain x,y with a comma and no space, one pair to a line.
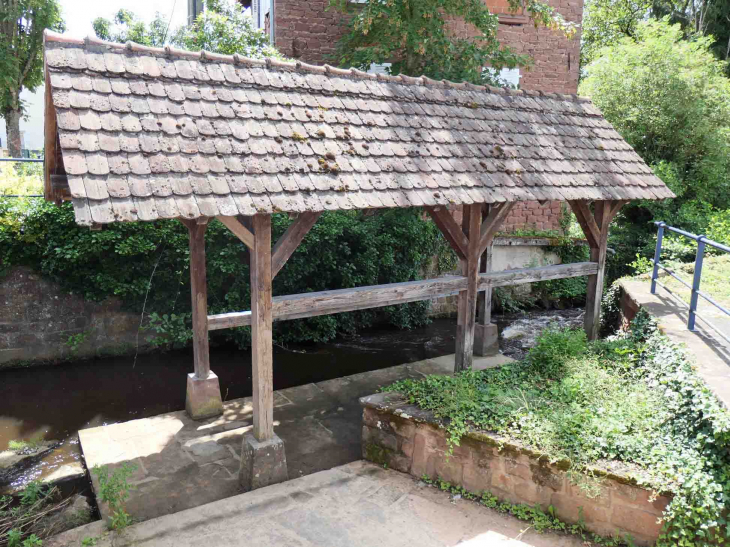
54,402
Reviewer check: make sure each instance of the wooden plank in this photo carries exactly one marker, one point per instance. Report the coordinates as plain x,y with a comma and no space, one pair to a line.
261,330
199,295
594,288
297,306
587,222
239,230
291,239
467,309
492,223
448,226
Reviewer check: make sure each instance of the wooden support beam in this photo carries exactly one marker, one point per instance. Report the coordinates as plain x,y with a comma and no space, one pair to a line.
291,239
467,304
594,288
261,330
587,223
313,304
239,230
616,207
448,226
484,298
489,228
199,294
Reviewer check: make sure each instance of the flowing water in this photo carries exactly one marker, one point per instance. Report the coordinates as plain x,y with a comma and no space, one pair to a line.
54,402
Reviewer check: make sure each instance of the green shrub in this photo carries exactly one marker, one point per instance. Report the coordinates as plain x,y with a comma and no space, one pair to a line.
632,398
114,490
344,249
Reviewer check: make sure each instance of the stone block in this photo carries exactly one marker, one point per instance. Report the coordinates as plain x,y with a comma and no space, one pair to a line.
263,463
486,340
636,521
477,478
203,397
402,428
570,508
379,437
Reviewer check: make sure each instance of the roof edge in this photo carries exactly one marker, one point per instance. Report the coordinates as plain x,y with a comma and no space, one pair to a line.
236,59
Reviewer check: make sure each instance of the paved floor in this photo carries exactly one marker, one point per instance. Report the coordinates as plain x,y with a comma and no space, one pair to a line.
181,464
710,351
355,505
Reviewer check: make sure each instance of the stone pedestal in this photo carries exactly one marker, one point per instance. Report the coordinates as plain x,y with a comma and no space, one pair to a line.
262,463
486,340
203,397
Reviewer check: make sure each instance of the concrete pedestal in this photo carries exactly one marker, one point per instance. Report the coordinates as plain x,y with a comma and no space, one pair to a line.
262,463
486,340
203,397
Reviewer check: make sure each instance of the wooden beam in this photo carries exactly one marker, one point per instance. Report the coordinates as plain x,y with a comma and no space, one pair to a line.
467,304
448,226
49,139
484,298
261,330
239,230
594,287
587,222
490,226
199,295
291,239
616,207
297,306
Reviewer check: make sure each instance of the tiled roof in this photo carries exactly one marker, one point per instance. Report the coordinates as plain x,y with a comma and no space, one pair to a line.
159,133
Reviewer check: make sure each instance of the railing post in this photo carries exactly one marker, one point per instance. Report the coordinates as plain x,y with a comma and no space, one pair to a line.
657,255
696,282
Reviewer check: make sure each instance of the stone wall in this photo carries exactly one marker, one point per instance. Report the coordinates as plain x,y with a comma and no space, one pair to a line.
37,320
408,439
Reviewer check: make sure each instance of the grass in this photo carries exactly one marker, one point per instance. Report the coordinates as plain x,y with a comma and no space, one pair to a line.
715,281
21,445
632,399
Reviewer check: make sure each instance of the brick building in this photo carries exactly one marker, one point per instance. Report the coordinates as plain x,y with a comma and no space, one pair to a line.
307,31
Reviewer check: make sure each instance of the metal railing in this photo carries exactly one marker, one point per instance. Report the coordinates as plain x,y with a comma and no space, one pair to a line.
702,242
22,160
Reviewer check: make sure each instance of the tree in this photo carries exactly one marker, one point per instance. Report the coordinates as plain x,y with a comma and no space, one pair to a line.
414,36
126,26
605,22
225,28
22,23
670,99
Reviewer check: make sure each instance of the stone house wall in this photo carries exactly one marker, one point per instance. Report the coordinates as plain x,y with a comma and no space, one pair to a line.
37,318
407,439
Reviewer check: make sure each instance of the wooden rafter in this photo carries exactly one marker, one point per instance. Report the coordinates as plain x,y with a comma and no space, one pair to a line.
291,239
587,223
451,230
498,212
242,232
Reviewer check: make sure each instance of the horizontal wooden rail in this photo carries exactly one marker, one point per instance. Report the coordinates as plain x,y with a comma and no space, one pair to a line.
297,306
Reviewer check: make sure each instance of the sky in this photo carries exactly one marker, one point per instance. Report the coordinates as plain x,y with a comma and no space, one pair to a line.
79,14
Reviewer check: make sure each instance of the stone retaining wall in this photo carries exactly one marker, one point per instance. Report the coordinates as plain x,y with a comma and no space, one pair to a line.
407,439
37,320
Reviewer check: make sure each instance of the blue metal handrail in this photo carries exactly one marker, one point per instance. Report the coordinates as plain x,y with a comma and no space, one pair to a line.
22,160
702,241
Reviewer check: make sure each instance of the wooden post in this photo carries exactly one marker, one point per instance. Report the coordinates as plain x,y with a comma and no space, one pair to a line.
486,335
467,303
203,396
261,330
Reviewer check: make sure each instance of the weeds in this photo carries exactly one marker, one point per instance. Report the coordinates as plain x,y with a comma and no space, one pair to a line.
22,523
114,490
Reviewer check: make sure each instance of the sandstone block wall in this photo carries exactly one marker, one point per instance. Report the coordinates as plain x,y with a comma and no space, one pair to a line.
37,318
408,440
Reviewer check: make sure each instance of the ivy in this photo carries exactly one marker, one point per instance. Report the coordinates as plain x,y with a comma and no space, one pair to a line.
633,397
344,249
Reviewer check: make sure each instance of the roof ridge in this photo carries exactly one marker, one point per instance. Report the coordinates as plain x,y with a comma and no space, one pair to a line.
269,62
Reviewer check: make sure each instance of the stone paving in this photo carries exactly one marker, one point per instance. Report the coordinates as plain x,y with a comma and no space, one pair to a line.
181,463
357,505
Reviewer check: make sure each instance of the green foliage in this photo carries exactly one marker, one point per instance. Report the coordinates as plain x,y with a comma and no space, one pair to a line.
540,521
344,249
22,523
718,228
18,181
114,490
174,330
125,26
573,289
414,37
224,27
633,398
89,541
669,98
75,341
22,23
605,22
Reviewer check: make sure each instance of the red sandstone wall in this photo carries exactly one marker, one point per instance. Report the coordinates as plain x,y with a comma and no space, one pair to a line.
305,31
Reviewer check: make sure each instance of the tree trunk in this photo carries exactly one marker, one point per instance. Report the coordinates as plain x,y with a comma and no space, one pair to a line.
12,122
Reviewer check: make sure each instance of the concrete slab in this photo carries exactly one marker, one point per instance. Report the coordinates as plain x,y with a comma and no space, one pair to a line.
445,363
710,351
182,463
358,504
